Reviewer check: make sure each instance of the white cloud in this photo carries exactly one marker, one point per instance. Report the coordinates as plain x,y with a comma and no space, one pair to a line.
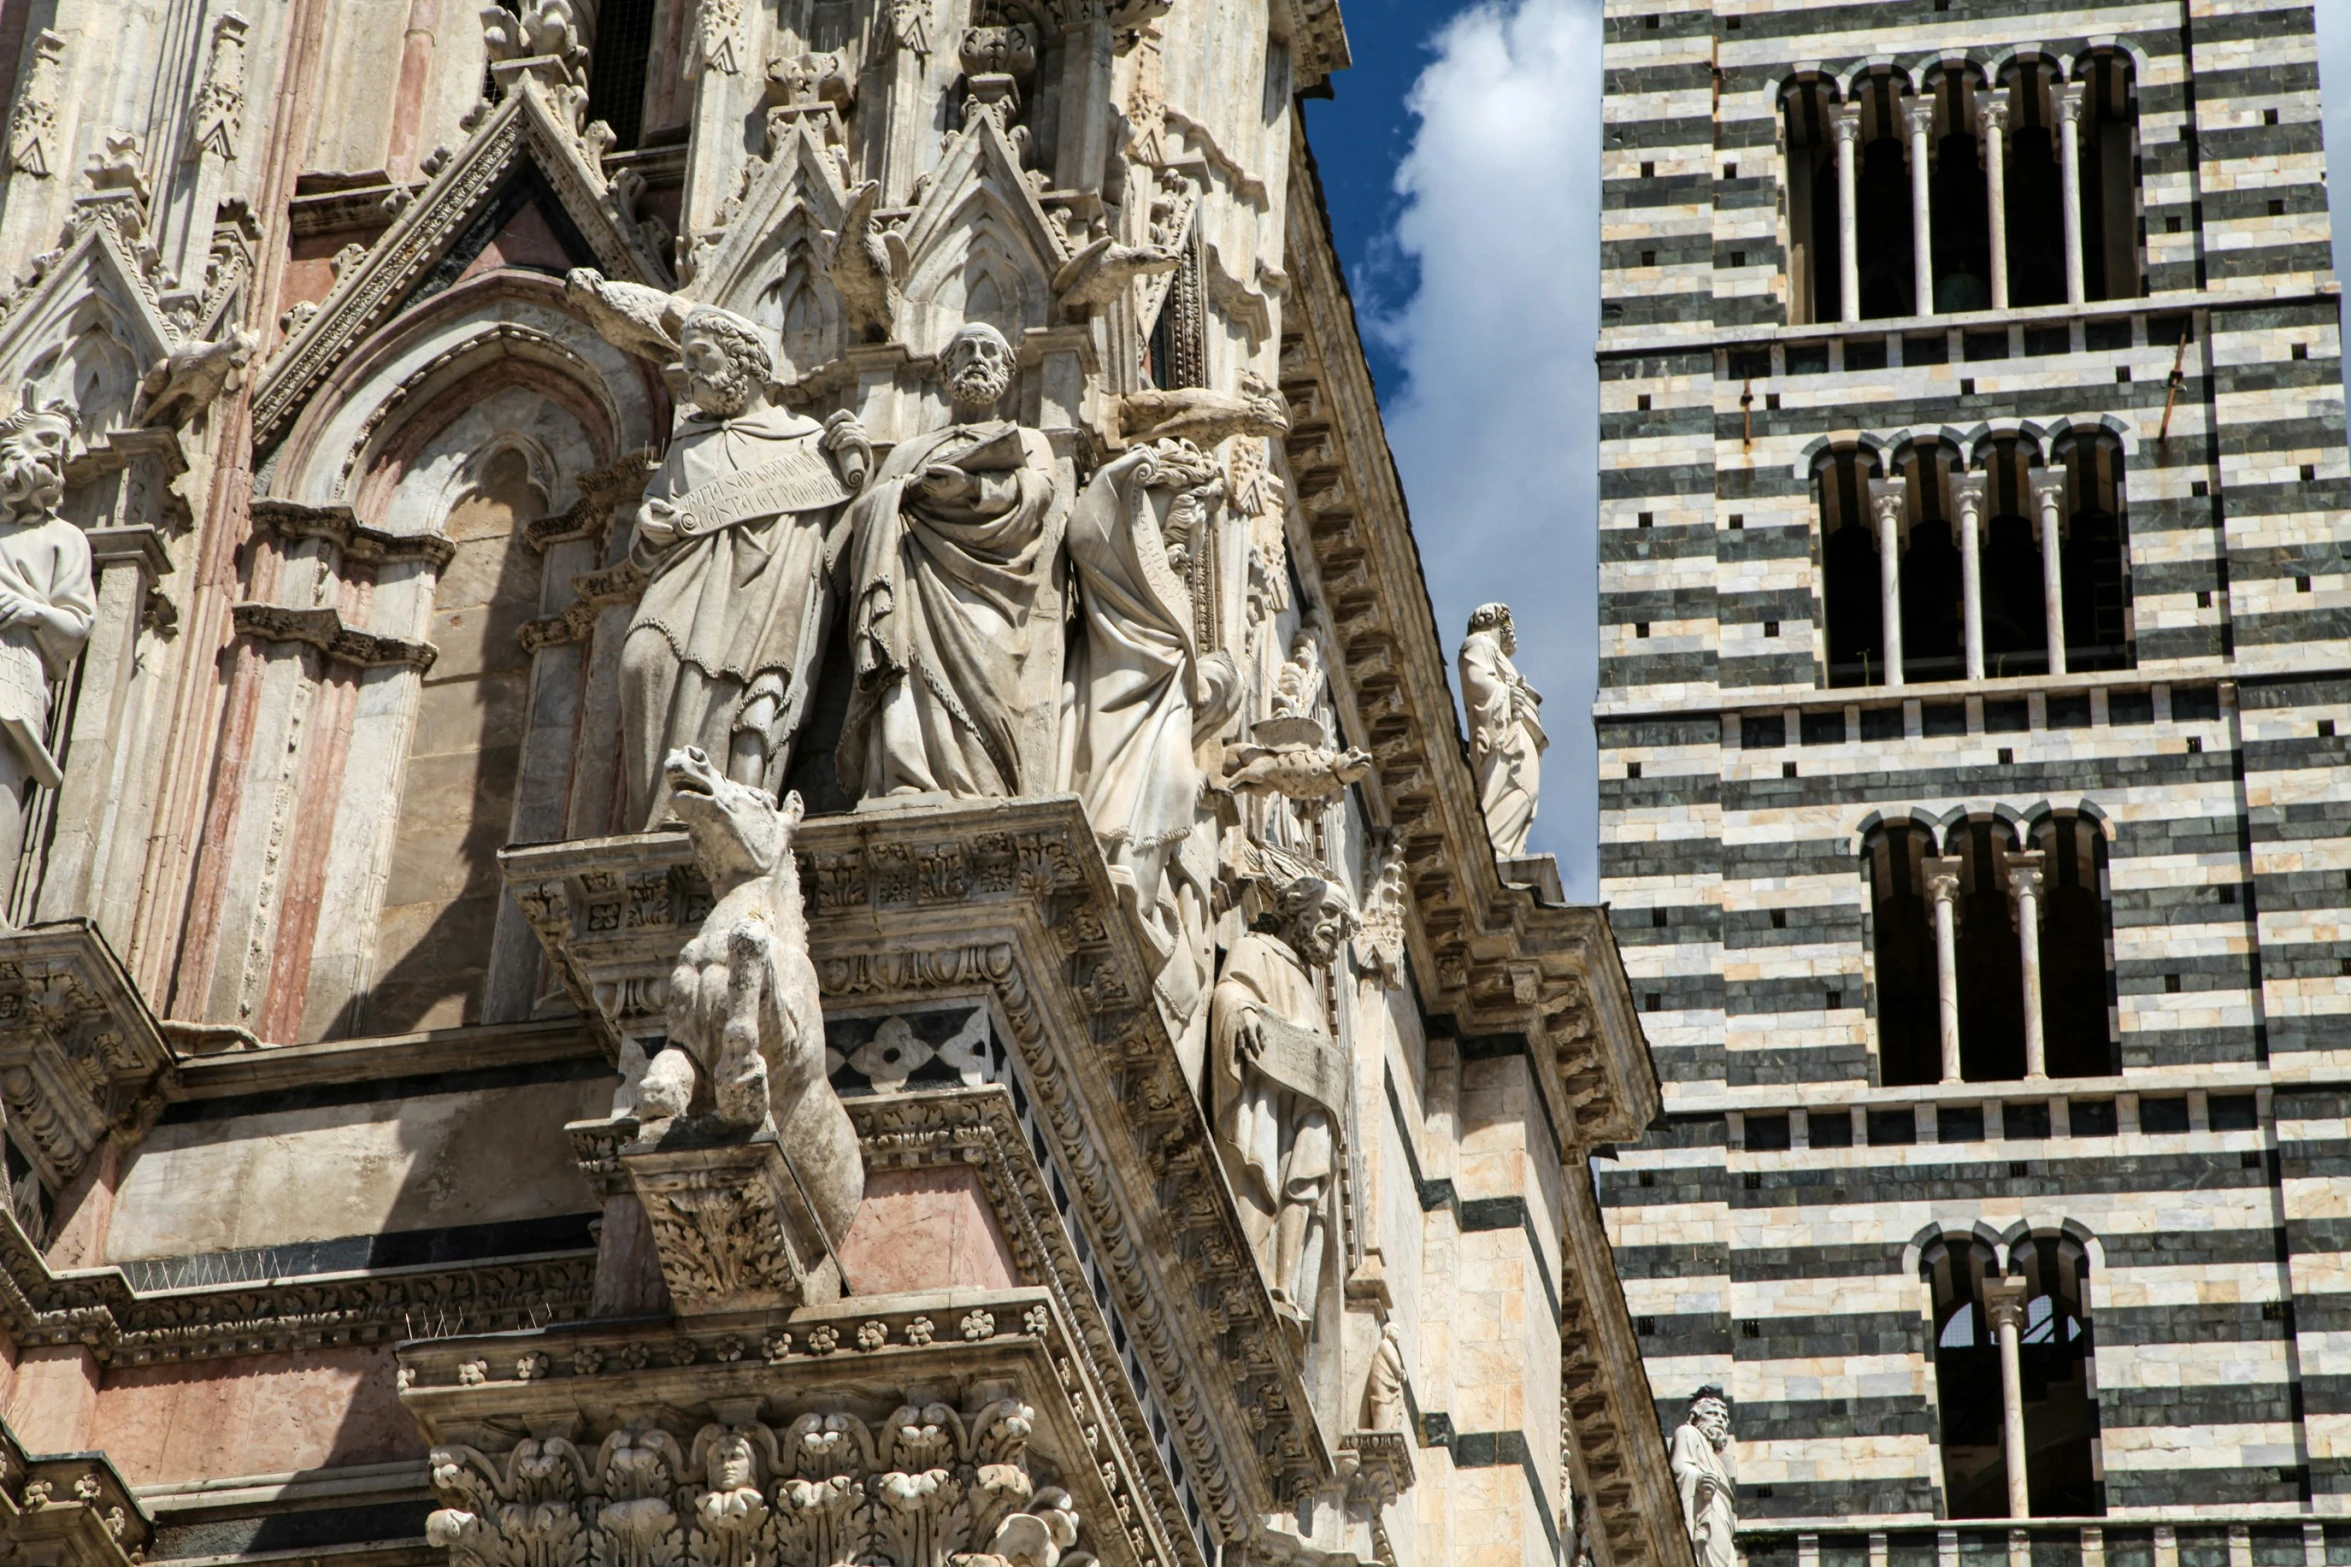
1495,429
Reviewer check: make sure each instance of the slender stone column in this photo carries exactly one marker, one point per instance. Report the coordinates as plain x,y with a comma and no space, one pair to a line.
1887,496
2004,1304
1919,115
1943,888
2049,495
1991,107
1969,489
2069,128
1845,120
2024,885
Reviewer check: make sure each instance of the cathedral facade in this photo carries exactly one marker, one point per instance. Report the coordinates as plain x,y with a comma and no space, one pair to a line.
735,833
1973,786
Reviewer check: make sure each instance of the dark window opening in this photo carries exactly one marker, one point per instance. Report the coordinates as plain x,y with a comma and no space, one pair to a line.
2163,1115
1961,228
2075,1018
1892,1128
2024,1123
1959,1124
617,69
1991,963
1849,570
2090,1117
2053,1349
1910,1048
1830,1128
2109,182
2232,1113
1767,1134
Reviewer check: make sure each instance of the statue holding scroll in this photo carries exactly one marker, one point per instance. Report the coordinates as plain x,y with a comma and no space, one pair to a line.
1280,1081
47,606
739,532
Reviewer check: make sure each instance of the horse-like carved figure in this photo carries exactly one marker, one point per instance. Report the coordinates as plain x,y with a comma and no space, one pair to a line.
746,1026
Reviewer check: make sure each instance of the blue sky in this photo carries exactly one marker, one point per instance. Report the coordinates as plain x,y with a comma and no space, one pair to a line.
1460,155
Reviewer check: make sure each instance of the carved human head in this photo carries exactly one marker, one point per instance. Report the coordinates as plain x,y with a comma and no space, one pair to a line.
1315,916
1495,618
739,832
727,365
976,367
1710,1412
34,442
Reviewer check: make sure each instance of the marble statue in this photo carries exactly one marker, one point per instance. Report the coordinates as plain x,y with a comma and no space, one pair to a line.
1280,1079
1506,739
739,531
47,606
1702,1472
745,1048
951,544
1383,1389
1141,691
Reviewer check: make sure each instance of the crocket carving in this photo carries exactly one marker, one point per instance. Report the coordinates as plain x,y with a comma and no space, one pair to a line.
746,1029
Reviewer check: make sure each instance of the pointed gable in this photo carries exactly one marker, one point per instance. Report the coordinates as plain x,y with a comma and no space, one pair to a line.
89,328
522,159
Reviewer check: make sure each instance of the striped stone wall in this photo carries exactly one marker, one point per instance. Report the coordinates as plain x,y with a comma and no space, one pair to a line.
1737,784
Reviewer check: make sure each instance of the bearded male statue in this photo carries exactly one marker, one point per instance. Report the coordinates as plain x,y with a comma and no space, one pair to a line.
954,541
1702,1473
739,532
1506,739
47,605
1279,1083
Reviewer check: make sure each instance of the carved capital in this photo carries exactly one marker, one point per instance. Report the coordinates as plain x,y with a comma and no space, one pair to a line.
2024,873
2004,1302
81,1057
1845,121
734,1227
324,629
1942,879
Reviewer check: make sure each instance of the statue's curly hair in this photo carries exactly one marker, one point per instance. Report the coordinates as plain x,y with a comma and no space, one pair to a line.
744,346
27,411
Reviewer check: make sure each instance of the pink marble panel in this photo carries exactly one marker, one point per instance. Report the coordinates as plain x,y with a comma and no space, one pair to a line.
267,1414
925,1229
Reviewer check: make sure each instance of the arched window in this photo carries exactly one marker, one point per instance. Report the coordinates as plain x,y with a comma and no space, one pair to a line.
2110,189
1962,227
1902,924
1931,623
2016,626
2076,992
2053,1362
2096,577
1991,964
1881,203
2043,1305
1967,1377
2035,204
1813,266
1849,568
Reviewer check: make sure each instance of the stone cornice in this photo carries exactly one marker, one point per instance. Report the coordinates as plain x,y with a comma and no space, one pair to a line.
324,629
352,540
68,1509
81,1057
1493,955
1010,901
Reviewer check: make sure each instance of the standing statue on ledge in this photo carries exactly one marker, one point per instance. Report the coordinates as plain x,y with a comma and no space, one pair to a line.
952,543
1701,1459
1506,739
47,605
738,533
1280,1082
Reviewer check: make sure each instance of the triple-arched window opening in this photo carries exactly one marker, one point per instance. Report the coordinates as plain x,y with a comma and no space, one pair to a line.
1960,186
2014,1376
2005,556
1993,949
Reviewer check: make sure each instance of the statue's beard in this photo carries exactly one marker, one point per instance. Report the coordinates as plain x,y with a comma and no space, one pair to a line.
722,396
978,385
29,486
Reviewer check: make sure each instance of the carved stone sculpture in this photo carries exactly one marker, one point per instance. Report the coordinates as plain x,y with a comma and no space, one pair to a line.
1280,1081
866,263
1506,739
745,1140
738,535
953,541
47,605
931,1483
1383,1389
1290,752
191,378
1144,690
1702,1471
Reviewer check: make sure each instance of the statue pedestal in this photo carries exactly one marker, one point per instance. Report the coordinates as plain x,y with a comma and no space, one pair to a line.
733,1226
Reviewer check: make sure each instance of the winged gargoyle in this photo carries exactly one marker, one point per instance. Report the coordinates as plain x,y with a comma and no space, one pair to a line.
187,381
1203,417
635,319
867,263
1102,269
